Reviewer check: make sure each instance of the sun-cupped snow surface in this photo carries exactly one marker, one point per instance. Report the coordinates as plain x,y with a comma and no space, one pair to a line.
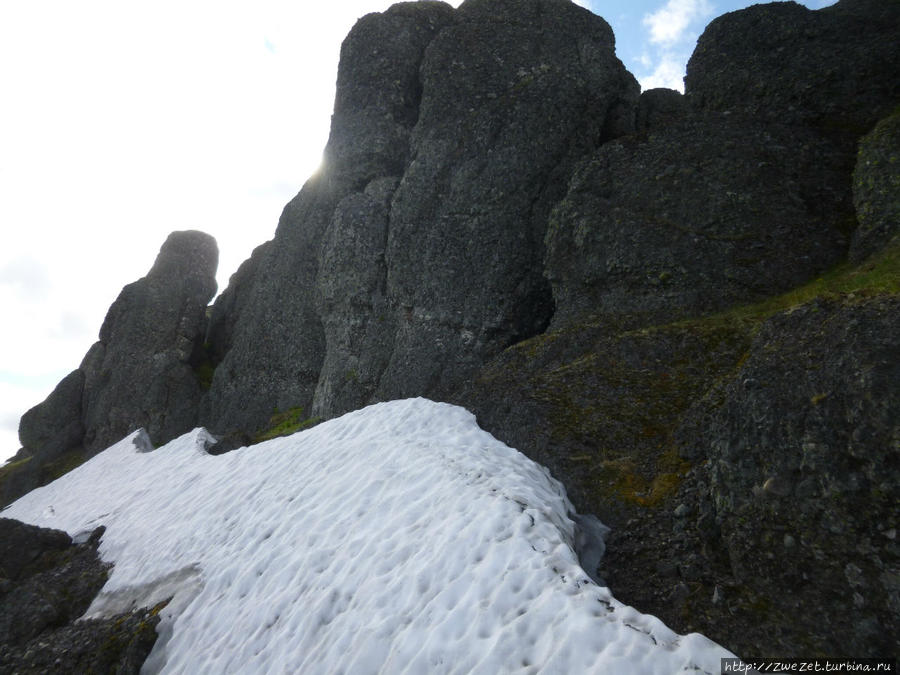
400,538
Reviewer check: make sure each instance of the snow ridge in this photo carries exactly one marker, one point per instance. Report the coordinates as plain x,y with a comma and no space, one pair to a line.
400,538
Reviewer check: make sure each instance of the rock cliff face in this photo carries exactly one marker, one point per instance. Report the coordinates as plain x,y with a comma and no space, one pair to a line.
453,134
705,213
832,68
685,306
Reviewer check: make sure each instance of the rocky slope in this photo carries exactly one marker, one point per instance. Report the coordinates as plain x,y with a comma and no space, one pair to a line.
47,582
685,306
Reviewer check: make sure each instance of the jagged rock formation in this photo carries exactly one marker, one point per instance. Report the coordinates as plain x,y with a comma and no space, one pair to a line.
646,294
453,134
141,372
46,583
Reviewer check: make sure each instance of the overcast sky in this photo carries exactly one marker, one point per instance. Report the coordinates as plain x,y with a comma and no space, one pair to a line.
122,121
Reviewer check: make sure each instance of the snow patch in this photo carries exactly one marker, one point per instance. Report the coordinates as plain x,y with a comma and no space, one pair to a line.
397,538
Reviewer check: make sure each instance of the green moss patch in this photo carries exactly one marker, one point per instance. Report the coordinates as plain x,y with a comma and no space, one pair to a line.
62,465
13,467
879,275
285,423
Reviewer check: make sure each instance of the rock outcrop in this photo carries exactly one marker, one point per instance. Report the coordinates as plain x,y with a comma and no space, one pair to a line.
684,306
801,450
46,583
695,219
833,68
513,94
56,426
279,339
231,304
453,135
141,373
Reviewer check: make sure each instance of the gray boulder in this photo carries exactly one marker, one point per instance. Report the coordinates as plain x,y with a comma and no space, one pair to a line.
45,580
876,188
140,373
837,68
698,216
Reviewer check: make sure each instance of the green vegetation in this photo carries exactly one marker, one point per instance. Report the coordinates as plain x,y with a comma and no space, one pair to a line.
612,398
879,275
284,424
13,467
62,465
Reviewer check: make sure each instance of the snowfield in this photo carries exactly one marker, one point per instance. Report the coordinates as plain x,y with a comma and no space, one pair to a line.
400,538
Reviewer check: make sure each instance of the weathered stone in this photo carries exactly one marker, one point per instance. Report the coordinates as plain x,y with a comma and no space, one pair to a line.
18,478
352,297
704,214
824,412
837,68
659,108
876,188
231,303
512,93
47,583
141,372
54,426
24,548
52,433
53,581
118,645
279,342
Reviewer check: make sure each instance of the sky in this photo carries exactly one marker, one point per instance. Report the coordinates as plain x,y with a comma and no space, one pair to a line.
449,552
123,121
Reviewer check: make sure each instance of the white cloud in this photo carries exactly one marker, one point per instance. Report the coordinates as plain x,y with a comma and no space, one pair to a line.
26,276
669,73
670,22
